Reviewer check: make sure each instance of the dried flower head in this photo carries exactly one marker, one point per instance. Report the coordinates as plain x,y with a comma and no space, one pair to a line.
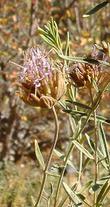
82,73
101,52
41,85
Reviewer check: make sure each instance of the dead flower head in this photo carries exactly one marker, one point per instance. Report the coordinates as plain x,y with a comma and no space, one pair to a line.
40,84
101,52
82,74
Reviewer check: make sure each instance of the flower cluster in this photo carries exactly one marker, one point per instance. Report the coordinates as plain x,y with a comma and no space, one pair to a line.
81,73
41,85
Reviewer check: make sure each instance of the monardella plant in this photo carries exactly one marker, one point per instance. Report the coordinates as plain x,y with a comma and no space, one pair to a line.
84,72
41,83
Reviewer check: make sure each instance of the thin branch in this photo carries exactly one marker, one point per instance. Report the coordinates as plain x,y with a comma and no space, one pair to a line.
50,157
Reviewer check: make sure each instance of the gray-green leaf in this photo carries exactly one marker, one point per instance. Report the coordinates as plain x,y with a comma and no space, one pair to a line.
82,149
71,194
39,155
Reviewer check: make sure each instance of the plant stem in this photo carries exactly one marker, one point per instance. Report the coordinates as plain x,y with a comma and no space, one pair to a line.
50,157
67,157
96,142
95,104
95,155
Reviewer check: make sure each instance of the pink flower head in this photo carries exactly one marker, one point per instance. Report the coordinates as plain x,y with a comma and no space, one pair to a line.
36,67
41,84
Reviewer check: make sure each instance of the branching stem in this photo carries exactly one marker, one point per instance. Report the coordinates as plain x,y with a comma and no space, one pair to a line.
75,137
67,157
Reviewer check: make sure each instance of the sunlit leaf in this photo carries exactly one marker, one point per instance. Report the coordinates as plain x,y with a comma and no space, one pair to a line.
51,35
105,178
103,143
33,201
83,60
61,156
71,194
90,142
73,188
39,155
104,190
86,186
82,149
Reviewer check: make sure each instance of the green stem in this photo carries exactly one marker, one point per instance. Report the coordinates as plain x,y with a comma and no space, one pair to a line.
49,158
95,104
67,157
96,142
95,155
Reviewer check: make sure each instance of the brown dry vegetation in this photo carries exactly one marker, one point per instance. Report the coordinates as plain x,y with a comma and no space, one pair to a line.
20,125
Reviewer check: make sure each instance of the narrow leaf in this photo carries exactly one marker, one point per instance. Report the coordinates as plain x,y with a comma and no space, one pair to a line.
39,155
33,201
86,186
102,192
105,178
84,114
102,159
61,204
61,156
103,142
79,104
103,119
90,142
106,192
82,149
83,60
81,196
71,194
96,8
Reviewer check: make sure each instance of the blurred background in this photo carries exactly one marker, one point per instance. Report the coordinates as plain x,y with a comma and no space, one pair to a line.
20,124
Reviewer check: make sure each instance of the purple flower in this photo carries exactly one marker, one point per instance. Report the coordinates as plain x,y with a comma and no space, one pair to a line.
41,84
36,67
